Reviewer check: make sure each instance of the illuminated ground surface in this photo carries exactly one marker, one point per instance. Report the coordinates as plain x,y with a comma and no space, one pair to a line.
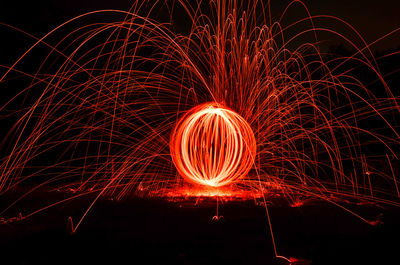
142,231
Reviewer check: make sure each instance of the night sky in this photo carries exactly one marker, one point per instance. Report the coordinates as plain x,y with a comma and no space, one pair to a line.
372,18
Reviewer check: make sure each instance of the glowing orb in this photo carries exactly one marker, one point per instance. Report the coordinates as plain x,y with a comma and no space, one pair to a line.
212,146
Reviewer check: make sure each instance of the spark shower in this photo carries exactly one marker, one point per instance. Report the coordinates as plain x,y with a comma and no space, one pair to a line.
245,101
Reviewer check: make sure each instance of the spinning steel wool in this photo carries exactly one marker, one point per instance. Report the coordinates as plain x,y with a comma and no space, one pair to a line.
213,146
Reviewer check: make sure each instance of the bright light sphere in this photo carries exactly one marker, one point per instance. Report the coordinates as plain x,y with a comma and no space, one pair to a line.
212,146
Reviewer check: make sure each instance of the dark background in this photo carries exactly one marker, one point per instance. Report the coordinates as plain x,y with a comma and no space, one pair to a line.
371,18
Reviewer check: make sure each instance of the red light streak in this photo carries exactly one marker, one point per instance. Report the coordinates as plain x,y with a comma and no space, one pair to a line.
106,97
212,146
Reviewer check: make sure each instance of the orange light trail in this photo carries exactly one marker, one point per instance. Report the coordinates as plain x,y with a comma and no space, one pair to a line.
245,104
212,146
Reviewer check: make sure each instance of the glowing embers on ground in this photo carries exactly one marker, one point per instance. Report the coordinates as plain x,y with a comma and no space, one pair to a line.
212,146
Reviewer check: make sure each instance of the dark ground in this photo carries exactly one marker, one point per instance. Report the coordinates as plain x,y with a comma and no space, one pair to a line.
143,231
